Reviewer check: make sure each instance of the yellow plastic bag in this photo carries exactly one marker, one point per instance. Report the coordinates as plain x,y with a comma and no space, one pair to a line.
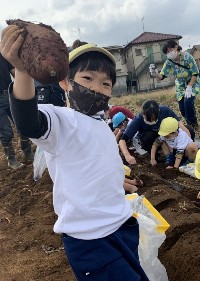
152,228
127,171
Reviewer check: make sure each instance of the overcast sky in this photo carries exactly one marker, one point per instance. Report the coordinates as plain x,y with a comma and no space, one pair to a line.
109,22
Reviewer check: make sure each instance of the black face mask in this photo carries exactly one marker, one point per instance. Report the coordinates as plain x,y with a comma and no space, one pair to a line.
86,101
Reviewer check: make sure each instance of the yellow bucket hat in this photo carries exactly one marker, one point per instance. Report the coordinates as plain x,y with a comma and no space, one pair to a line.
197,165
168,125
89,48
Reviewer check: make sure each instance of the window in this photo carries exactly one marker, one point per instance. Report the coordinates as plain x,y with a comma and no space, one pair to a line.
138,52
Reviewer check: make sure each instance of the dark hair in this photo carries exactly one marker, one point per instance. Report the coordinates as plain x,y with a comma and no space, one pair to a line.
77,43
150,109
93,61
170,44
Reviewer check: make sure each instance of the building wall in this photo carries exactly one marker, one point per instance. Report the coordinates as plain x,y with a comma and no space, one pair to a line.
120,88
147,83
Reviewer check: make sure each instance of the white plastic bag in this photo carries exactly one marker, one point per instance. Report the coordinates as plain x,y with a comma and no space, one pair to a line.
152,228
188,169
39,164
137,146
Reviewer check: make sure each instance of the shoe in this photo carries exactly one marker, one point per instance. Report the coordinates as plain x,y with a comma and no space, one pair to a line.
14,164
26,148
28,156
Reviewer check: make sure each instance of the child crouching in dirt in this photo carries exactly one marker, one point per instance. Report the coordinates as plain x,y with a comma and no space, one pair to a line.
176,144
100,235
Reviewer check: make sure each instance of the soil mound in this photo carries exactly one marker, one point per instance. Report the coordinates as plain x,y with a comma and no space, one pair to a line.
31,251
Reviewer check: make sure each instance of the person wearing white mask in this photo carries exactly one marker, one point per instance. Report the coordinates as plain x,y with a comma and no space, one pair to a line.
146,124
187,83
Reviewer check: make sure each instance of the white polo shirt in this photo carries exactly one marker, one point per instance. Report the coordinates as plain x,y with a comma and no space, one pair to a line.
180,142
87,171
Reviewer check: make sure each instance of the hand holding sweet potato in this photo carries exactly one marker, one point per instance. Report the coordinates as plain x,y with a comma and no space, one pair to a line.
12,40
42,52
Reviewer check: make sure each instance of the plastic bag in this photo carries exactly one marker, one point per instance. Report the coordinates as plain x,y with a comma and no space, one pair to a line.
127,171
39,164
188,169
137,146
152,228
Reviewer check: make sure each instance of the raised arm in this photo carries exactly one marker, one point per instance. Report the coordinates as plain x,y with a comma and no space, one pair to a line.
12,39
29,121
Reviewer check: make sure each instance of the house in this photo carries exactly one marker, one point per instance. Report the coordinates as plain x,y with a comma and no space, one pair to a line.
120,87
133,62
195,52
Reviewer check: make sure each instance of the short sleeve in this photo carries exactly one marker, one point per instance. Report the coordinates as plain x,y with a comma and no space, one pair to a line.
192,64
166,69
61,127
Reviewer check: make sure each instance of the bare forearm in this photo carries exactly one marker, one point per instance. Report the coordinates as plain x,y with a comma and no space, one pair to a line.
177,163
23,88
182,126
123,147
153,152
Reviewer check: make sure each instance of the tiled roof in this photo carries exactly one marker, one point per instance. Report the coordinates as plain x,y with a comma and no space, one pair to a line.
196,47
147,37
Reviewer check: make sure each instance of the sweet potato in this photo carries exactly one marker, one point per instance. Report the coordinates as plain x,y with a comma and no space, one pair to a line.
43,52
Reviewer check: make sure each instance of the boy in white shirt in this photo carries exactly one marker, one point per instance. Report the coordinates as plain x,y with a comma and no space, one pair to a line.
100,235
175,143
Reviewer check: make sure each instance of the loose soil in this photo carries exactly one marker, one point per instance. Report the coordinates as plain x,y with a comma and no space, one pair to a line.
30,250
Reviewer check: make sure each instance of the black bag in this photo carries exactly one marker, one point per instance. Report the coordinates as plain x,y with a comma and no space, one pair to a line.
46,94
183,66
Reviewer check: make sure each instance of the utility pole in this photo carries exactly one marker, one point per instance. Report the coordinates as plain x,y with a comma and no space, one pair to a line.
143,24
79,33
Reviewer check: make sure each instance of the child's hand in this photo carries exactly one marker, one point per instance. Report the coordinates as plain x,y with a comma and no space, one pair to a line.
198,195
129,185
130,159
153,162
11,41
169,167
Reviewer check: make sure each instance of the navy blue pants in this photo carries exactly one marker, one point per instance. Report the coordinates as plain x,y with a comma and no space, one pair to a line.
6,121
6,131
187,109
112,258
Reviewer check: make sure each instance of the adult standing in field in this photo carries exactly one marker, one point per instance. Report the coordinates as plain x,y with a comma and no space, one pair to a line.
146,124
184,68
6,131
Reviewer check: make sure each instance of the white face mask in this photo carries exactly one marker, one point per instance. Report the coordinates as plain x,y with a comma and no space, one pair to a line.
150,123
172,55
170,139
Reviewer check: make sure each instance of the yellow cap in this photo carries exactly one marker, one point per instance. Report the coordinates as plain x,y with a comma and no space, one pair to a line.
89,48
168,125
197,165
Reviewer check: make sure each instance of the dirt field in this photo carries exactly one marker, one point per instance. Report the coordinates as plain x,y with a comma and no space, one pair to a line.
30,250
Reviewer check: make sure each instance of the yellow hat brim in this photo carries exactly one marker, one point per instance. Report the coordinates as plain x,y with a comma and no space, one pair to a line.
89,48
163,134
